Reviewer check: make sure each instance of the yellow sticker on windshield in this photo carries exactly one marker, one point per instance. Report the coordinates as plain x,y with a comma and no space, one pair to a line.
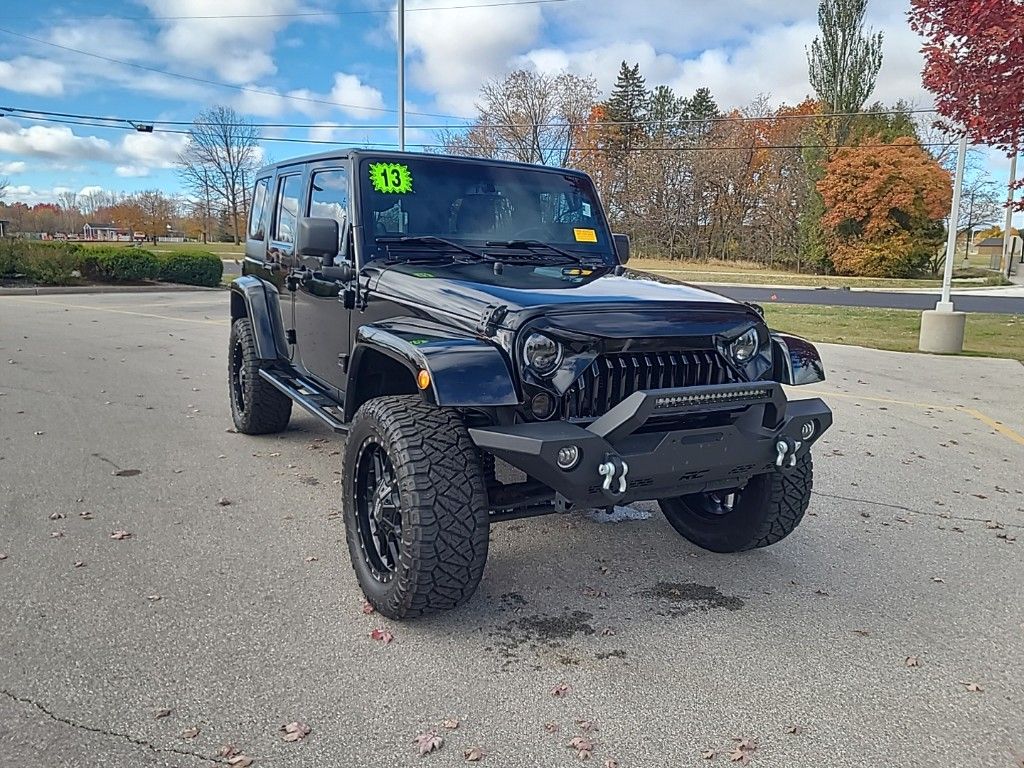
585,235
391,178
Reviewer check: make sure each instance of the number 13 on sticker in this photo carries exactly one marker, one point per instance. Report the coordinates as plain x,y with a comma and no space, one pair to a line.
391,178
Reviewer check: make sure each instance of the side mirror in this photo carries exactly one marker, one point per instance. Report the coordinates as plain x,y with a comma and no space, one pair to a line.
317,238
621,247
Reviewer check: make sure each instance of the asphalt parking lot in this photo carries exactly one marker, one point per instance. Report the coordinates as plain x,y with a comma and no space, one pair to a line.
887,631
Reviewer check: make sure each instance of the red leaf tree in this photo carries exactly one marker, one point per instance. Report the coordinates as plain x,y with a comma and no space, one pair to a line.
974,64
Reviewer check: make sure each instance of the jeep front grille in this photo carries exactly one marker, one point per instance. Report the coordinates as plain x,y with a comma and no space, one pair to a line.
613,378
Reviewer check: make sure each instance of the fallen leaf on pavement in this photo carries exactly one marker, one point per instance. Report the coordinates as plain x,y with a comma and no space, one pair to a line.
228,750
552,727
821,592
474,755
938,580
153,598
560,691
609,763
56,534
3,555
126,472
224,501
861,632
428,741
992,525
56,515
912,661
796,730
79,563
382,636
120,535
367,608
161,713
240,761
608,632
295,731
584,747
190,733
972,687
708,754
450,724
311,559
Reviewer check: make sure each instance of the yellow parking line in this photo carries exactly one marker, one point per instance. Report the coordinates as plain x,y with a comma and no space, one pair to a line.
998,426
988,421
32,300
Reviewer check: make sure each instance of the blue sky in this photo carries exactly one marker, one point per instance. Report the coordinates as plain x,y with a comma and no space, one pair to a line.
279,60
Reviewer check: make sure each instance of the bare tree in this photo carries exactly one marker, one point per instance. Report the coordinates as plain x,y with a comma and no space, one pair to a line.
4,184
221,156
529,117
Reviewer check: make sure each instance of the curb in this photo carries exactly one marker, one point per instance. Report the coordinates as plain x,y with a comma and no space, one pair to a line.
881,289
49,290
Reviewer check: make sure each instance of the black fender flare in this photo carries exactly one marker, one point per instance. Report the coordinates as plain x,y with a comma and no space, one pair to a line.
796,360
261,303
465,370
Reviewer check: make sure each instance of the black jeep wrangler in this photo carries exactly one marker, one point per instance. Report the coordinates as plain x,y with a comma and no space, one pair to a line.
450,314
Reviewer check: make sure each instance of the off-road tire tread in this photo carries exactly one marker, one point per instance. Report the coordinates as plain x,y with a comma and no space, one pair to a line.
443,498
789,497
269,409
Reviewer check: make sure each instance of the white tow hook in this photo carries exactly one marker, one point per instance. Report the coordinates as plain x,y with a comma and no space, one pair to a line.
608,469
786,452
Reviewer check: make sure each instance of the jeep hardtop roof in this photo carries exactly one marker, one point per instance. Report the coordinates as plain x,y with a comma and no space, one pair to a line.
357,153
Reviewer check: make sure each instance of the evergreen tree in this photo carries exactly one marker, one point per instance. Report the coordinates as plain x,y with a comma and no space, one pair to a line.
628,103
665,111
702,108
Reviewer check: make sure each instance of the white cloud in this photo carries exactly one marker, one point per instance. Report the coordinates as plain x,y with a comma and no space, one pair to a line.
26,74
51,142
238,50
131,171
14,167
92,189
361,100
153,150
453,51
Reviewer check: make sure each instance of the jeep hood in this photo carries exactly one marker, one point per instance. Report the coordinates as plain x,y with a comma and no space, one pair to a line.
654,303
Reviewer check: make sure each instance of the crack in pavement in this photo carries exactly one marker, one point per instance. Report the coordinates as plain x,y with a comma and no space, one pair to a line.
104,732
900,507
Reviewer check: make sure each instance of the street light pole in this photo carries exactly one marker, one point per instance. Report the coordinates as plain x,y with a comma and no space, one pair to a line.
401,75
945,304
1006,264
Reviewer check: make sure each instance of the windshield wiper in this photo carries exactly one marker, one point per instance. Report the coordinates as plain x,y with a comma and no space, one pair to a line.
531,245
428,240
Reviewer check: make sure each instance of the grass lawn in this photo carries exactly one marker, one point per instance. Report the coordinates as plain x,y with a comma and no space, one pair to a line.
227,250
744,272
987,335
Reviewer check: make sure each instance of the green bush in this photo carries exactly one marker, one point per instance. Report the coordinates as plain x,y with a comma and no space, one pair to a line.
191,268
120,264
42,262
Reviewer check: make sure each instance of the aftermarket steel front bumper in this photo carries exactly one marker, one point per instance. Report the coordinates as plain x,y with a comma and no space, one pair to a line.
644,448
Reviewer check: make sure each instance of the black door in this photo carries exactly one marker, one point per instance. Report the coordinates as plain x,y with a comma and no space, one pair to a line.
321,322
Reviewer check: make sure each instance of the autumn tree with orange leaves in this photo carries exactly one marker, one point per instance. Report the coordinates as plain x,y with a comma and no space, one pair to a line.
884,206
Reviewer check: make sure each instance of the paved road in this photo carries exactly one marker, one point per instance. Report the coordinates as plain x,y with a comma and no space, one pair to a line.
892,300
249,633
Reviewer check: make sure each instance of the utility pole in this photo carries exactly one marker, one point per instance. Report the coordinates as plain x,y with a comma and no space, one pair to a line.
1007,263
401,75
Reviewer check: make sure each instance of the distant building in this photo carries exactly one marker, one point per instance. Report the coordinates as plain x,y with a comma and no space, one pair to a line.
992,249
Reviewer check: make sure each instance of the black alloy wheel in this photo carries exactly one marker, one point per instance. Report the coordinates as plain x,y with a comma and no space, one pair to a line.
378,511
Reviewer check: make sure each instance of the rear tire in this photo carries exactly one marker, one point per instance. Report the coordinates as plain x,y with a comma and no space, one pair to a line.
767,510
415,507
257,407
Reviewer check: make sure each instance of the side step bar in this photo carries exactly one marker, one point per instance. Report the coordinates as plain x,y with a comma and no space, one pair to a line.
308,395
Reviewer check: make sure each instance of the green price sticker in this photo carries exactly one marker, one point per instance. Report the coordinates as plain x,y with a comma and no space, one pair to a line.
391,178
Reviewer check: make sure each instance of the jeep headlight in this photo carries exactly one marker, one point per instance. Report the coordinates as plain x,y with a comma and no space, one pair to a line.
542,354
745,346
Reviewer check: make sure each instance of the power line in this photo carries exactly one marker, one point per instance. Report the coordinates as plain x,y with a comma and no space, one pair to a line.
217,83
355,126
295,15
640,150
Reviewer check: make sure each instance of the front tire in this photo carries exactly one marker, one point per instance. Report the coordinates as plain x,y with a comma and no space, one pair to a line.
415,507
765,511
257,407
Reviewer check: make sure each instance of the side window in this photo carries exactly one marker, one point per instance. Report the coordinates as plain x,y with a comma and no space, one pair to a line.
259,207
286,217
328,197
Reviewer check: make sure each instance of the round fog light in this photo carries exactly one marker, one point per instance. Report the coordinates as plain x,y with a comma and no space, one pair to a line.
807,430
542,405
568,457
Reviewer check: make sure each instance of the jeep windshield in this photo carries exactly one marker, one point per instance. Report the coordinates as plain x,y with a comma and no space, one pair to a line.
411,205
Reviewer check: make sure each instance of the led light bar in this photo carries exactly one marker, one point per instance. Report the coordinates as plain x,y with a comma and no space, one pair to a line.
751,395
